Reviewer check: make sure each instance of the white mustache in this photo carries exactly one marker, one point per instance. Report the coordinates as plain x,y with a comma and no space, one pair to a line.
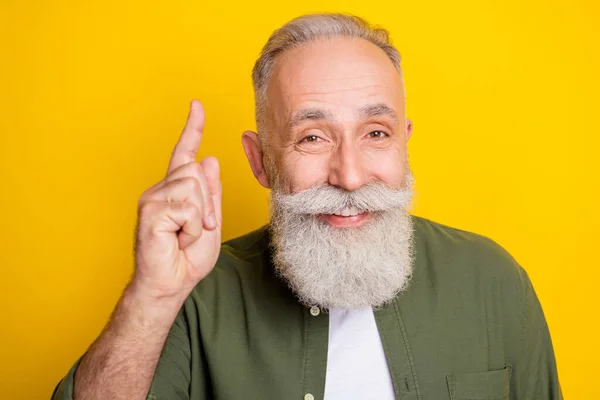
327,199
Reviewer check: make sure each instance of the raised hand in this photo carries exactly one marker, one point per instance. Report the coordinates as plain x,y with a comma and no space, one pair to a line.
179,220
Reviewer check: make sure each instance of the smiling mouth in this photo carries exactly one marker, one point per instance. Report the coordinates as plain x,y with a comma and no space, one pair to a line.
349,217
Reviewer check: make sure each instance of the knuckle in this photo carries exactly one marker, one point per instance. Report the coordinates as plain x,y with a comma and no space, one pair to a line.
194,210
190,211
198,209
146,196
190,169
146,210
141,203
192,183
190,154
143,198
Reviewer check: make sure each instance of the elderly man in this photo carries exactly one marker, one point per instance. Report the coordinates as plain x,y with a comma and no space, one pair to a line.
344,295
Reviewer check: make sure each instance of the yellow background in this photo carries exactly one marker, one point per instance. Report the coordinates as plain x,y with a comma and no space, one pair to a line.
503,95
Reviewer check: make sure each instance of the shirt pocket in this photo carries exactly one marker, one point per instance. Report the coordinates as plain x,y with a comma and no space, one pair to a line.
485,385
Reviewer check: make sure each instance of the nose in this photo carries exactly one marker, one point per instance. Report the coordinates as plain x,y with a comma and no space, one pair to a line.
345,168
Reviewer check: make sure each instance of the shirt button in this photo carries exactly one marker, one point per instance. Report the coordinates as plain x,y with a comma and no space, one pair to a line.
309,396
314,311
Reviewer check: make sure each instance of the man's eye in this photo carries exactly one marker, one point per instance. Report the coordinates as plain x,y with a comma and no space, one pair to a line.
311,139
378,134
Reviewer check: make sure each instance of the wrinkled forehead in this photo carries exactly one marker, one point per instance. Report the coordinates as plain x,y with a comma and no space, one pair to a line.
341,75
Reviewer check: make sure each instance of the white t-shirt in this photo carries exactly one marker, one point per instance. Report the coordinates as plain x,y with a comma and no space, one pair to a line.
356,364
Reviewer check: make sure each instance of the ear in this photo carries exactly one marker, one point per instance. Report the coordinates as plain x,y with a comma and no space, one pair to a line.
409,128
253,150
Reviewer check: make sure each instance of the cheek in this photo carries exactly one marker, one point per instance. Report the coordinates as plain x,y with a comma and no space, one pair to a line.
303,171
388,166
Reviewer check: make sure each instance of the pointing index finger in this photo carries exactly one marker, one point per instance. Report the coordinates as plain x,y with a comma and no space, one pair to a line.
187,147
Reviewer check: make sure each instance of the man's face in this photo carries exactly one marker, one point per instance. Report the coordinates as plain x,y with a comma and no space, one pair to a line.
336,116
337,164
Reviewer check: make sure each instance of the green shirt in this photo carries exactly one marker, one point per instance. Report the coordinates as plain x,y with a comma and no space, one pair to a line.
469,326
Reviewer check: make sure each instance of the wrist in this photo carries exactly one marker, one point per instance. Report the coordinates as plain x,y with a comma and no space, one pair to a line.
150,310
150,292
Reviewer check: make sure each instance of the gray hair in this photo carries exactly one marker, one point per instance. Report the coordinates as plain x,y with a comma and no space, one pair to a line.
305,29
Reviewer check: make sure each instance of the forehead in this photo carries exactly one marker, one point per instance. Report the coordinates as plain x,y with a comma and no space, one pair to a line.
336,74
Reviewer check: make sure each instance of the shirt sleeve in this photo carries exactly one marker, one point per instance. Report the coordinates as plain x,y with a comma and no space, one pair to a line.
172,377
535,373
64,389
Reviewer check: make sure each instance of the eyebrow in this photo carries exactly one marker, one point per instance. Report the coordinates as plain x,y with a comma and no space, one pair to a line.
316,114
309,114
376,110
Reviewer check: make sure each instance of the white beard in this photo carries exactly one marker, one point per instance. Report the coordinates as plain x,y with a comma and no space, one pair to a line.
346,268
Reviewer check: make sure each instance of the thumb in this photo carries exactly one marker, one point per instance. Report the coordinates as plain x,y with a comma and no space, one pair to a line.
213,179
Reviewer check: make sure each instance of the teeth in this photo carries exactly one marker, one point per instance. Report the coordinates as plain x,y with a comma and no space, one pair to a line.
347,212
